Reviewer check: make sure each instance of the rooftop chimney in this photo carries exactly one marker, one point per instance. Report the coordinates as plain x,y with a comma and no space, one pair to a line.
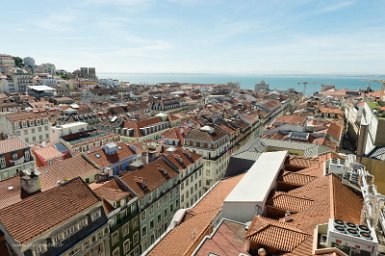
30,181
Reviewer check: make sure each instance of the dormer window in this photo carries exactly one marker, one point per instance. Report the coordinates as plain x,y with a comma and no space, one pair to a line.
14,156
96,215
39,248
24,124
2,162
27,155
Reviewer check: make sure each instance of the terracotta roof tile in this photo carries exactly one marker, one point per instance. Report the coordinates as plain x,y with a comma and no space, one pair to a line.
180,240
275,234
149,177
66,170
137,124
227,240
11,144
47,153
197,134
104,160
113,191
29,218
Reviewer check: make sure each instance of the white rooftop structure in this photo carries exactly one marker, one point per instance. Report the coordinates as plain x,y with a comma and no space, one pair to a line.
71,125
248,198
41,88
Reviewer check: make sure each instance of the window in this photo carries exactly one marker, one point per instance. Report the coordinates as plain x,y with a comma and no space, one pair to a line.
39,129
25,132
115,237
151,224
159,218
46,127
33,130
125,229
136,238
142,216
133,207
207,172
116,252
83,223
2,162
96,215
151,209
144,230
122,214
39,248
171,207
135,223
126,246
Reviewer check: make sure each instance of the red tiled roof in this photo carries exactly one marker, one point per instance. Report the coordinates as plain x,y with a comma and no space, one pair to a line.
47,153
112,190
182,158
315,201
38,213
10,191
199,135
227,240
149,176
275,234
335,131
65,170
137,124
105,160
179,241
24,116
11,144
291,119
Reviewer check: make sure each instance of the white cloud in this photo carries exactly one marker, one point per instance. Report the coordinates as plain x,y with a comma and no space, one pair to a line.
58,22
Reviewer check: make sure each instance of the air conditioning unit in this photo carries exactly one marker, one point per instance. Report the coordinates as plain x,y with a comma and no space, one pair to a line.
351,237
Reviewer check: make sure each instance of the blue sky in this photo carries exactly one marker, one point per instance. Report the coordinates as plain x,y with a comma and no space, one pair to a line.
275,36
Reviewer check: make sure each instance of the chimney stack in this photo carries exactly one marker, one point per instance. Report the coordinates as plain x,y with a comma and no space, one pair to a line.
30,181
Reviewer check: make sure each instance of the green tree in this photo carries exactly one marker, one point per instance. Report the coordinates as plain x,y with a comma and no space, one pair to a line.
18,62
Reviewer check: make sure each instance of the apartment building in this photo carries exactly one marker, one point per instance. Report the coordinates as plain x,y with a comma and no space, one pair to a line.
212,143
7,60
84,141
59,131
15,156
21,80
190,168
7,84
76,227
165,104
114,157
142,130
122,217
371,133
156,185
31,127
